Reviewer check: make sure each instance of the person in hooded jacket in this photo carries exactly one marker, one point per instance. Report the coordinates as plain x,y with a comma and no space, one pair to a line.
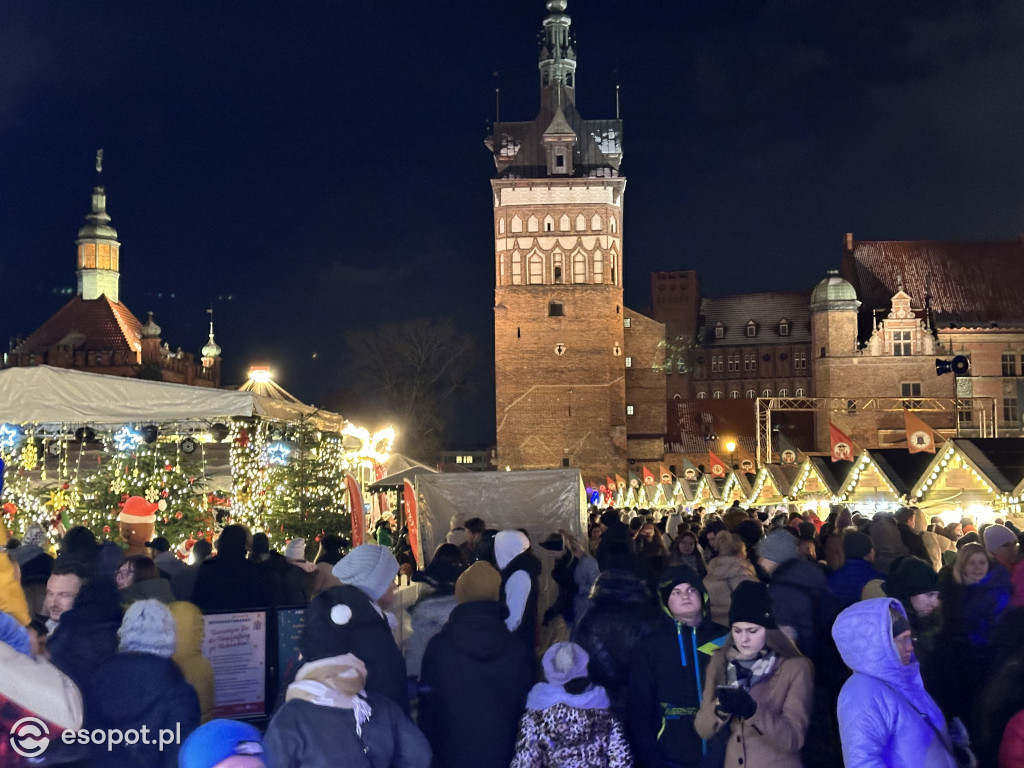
141,686
475,678
621,616
886,717
567,723
329,718
227,581
666,680
520,569
188,654
87,634
759,687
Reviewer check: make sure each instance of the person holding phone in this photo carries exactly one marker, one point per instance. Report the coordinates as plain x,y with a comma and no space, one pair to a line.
759,687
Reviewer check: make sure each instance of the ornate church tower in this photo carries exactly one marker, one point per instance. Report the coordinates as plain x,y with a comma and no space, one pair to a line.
98,249
558,313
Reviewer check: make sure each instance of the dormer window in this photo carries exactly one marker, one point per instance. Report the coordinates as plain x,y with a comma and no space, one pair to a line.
719,331
783,327
751,329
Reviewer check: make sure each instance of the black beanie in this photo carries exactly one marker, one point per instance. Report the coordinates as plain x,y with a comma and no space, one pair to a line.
335,622
856,545
910,576
752,604
678,574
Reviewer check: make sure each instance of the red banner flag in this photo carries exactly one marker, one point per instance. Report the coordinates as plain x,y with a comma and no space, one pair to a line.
355,506
717,466
665,474
611,483
920,437
412,521
648,477
842,446
620,482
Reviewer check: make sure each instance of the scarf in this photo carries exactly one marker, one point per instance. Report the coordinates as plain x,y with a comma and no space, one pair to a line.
544,695
746,673
337,682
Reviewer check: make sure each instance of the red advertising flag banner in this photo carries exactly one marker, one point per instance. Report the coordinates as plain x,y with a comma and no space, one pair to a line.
717,466
611,483
665,474
920,437
648,477
620,482
355,505
412,521
841,445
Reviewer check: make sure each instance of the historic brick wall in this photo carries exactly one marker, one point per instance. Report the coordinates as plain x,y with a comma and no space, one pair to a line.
645,386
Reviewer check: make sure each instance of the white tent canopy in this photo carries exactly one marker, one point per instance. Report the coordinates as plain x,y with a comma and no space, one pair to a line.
46,395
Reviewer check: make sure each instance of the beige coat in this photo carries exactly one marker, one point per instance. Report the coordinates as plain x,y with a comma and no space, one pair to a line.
725,572
774,736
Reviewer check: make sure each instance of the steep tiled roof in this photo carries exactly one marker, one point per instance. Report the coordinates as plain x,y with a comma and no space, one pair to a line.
94,325
970,283
597,150
765,309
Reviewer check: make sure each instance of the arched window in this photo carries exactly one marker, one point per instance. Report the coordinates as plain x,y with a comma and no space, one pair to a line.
801,392
501,226
564,223
751,329
734,394
751,394
595,222
517,224
579,267
558,274
581,223
598,267
783,393
536,270
549,224
532,224
717,394
613,225
702,395
766,393
517,269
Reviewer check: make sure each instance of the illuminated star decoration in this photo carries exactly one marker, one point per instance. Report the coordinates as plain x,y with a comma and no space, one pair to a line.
127,439
277,453
8,437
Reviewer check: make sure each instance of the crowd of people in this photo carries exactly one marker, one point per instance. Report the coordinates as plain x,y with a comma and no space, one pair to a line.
686,640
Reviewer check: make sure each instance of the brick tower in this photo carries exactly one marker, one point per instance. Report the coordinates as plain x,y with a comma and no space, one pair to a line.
558,312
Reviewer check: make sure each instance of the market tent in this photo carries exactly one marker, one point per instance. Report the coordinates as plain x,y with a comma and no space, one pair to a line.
47,395
399,468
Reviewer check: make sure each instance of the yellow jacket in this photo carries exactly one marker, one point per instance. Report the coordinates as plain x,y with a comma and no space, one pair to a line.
12,596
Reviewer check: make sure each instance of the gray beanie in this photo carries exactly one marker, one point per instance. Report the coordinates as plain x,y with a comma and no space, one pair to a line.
779,546
148,627
370,568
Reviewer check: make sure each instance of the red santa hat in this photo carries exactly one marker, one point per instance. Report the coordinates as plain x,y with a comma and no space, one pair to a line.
137,510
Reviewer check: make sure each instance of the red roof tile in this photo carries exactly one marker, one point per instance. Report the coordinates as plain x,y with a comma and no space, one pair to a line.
969,283
96,325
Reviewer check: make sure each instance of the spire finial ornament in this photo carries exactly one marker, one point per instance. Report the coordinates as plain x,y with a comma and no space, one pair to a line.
211,350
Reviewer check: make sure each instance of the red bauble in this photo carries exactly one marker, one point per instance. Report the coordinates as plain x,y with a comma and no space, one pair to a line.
178,515
106,529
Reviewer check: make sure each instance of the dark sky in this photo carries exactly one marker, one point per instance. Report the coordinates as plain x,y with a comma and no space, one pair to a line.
316,166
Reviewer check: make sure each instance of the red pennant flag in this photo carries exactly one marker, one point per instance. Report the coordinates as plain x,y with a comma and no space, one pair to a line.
648,477
666,475
718,467
920,437
355,505
412,521
842,446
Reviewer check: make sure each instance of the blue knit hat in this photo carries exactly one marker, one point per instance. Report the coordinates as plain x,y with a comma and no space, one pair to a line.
370,568
14,635
218,740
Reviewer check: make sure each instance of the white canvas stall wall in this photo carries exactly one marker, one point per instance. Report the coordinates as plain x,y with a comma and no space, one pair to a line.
539,501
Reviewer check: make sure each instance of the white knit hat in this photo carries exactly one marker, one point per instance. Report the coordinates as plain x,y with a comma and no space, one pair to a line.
295,549
370,568
148,627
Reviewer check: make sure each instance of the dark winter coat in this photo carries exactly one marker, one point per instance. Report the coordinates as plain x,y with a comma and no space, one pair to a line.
303,734
802,600
282,582
132,690
666,684
528,563
622,615
228,583
473,686
87,634
847,582
615,549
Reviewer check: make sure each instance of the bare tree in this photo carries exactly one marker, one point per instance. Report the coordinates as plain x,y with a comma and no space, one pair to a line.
415,369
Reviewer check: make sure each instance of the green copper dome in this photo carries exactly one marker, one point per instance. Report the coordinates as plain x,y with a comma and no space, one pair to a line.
834,293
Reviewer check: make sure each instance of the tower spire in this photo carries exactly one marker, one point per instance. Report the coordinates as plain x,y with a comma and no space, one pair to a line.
98,249
211,350
557,58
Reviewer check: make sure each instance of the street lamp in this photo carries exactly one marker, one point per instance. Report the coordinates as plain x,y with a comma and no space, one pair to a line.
730,446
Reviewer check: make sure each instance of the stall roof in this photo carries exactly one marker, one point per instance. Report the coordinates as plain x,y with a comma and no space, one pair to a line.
399,468
47,395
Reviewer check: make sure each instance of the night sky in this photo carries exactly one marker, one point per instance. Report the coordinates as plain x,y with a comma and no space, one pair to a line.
316,166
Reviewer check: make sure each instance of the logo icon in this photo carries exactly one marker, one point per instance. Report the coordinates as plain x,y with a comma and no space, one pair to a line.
30,737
